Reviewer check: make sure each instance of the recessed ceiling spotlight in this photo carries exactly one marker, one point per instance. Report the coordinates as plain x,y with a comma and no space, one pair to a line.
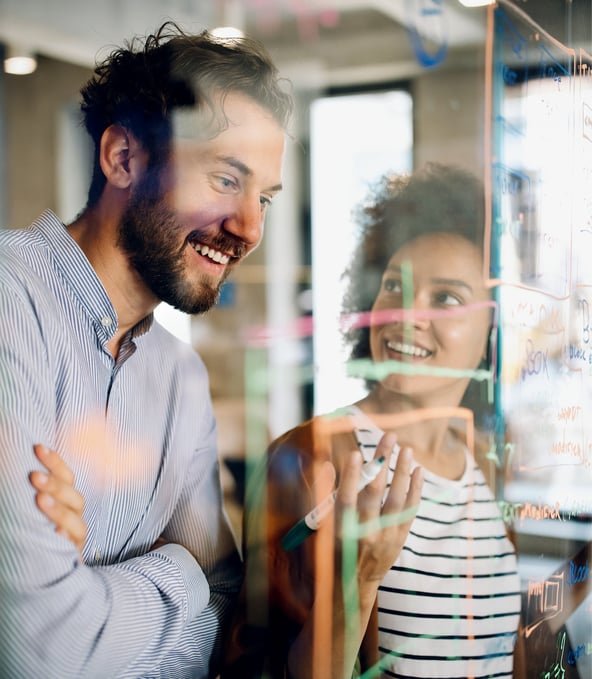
19,60
227,32
476,3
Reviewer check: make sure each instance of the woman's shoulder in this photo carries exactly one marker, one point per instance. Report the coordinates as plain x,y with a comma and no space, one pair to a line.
313,433
318,439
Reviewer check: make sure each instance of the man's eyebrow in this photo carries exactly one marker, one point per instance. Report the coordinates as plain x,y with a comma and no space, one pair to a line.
457,282
245,170
237,164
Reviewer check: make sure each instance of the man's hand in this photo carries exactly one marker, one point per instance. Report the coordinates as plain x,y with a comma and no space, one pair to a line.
57,498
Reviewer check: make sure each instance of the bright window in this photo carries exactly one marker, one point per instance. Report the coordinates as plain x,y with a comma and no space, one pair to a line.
354,139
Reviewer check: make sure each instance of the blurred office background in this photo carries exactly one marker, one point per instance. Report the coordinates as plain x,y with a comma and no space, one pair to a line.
381,85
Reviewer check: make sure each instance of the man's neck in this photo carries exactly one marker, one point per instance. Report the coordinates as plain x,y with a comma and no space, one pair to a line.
96,231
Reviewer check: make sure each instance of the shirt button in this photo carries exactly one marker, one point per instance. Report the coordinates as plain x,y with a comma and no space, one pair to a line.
106,321
98,555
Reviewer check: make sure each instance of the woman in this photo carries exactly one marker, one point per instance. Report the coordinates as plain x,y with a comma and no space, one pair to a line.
445,582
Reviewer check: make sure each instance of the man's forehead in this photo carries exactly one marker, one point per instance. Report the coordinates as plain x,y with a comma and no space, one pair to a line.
197,124
219,113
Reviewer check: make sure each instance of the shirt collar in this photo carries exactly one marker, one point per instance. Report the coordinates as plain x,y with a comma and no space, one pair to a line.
78,272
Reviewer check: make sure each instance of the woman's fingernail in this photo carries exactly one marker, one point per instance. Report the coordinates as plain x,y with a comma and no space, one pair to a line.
355,459
406,454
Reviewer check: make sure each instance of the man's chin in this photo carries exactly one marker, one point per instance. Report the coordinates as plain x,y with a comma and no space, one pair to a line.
195,305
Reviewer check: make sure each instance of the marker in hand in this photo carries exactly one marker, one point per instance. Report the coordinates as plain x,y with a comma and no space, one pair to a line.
307,526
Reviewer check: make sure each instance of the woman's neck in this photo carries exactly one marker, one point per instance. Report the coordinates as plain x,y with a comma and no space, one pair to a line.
421,427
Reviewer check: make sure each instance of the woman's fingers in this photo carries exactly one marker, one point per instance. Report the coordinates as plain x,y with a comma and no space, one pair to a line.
347,492
57,498
370,499
404,494
383,522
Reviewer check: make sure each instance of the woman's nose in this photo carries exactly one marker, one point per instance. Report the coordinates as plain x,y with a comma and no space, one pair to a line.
420,312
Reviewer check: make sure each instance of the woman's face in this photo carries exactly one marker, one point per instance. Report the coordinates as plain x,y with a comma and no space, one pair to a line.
434,278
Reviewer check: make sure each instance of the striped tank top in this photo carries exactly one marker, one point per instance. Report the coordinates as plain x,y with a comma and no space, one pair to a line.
450,604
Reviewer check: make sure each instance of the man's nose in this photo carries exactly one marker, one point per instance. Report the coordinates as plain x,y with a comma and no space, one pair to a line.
246,221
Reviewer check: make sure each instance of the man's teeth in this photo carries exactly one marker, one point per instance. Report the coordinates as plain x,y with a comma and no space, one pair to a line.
215,255
408,349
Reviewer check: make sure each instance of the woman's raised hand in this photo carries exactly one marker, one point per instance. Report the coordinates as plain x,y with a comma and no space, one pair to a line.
383,523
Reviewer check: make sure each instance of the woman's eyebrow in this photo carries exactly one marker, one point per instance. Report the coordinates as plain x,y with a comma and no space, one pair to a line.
456,282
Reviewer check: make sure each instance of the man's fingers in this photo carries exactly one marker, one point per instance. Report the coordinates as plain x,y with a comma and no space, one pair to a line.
59,481
54,463
61,492
56,496
67,523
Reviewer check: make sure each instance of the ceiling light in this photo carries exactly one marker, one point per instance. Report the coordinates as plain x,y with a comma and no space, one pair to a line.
476,3
19,61
227,32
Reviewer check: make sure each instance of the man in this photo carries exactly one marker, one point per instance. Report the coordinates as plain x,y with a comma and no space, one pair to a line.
189,135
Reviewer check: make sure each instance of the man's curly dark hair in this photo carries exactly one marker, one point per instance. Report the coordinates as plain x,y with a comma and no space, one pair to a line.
140,85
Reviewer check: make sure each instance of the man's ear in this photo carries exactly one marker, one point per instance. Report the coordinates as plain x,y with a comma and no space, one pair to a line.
123,160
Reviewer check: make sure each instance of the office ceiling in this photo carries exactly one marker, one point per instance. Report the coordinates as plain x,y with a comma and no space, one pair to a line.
332,41
337,34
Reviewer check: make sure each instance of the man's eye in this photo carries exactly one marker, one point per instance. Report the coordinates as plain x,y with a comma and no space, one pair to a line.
265,201
226,183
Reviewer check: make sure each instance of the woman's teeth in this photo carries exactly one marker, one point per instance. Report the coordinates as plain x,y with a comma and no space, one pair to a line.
214,255
408,349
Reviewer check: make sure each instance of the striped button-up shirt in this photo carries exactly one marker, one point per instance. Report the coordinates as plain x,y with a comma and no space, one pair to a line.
140,436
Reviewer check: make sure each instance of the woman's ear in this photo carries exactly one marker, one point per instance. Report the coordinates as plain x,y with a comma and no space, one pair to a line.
122,158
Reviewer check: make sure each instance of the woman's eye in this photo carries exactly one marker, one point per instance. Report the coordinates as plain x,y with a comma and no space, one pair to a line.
392,285
447,299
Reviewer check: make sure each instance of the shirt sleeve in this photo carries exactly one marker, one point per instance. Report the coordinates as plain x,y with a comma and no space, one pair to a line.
60,619
199,522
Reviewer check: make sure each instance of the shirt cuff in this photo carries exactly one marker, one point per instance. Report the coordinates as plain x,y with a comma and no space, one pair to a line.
194,579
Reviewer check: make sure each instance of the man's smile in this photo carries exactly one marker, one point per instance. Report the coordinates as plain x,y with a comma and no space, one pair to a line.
211,253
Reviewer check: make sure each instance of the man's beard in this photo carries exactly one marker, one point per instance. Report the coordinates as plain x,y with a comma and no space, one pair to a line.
148,234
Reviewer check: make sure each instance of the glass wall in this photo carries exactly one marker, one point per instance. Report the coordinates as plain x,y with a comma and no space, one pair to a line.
439,157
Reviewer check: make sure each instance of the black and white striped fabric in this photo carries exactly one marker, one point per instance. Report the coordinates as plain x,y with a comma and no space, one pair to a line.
140,435
449,606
